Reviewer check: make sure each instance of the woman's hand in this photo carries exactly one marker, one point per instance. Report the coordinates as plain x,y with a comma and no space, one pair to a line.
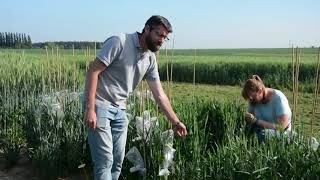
250,118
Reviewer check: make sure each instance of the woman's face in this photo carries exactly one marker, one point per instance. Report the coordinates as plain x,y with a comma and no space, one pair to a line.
256,97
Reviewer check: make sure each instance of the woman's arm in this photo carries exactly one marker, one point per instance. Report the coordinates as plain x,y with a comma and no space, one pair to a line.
283,121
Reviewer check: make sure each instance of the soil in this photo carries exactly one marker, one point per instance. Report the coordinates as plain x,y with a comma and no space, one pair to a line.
23,169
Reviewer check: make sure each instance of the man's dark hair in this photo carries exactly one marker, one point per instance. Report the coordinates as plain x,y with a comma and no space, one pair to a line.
157,20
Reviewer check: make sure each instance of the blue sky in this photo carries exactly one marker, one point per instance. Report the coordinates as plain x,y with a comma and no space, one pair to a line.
196,24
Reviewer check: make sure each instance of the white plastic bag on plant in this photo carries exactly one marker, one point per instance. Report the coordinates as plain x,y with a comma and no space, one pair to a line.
167,137
313,143
129,117
145,125
168,152
134,156
130,106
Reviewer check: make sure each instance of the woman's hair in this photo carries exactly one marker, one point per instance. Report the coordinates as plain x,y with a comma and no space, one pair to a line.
254,84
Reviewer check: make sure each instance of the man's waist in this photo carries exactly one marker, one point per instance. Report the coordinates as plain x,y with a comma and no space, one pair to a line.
121,105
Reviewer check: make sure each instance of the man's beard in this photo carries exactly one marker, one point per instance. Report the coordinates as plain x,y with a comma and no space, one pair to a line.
151,45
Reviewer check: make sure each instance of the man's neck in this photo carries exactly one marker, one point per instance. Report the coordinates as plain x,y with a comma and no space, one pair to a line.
142,42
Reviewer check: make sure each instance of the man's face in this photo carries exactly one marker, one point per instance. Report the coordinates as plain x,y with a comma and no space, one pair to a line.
155,37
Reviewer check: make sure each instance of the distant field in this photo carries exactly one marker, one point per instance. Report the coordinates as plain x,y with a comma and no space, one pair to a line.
261,56
241,52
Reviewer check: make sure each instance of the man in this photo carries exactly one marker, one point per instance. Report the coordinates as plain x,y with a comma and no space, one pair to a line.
121,64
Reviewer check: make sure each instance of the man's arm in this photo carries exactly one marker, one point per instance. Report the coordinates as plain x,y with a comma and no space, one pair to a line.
95,68
164,103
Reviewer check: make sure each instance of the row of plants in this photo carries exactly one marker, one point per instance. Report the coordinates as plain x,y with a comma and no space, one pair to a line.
274,75
62,69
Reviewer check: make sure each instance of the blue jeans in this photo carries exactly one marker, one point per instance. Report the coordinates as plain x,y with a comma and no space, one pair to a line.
264,134
107,142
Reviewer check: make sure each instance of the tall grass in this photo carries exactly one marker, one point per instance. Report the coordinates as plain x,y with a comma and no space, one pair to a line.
39,108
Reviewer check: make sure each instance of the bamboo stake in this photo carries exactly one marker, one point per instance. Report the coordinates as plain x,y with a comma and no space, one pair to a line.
64,72
168,78
141,100
171,70
86,59
295,80
194,72
158,59
59,69
89,54
95,48
42,71
293,87
316,92
74,67
297,83
50,67
294,83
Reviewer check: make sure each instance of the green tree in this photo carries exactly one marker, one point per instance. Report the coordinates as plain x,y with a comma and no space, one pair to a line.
7,39
29,42
2,40
50,45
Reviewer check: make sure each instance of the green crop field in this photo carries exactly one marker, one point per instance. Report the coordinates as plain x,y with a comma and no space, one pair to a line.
41,95
280,55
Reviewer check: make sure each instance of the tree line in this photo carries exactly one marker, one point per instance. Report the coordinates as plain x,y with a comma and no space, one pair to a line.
15,40
22,40
68,44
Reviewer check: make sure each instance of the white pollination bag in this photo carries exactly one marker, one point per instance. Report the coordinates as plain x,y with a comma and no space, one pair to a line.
168,152
135,158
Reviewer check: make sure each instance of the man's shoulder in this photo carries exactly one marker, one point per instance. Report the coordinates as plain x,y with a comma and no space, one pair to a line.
118,37
124,36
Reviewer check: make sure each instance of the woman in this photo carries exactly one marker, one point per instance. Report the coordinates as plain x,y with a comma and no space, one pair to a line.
268,109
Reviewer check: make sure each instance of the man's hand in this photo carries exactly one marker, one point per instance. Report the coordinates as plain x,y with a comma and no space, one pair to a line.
250,118
180,129
91,118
